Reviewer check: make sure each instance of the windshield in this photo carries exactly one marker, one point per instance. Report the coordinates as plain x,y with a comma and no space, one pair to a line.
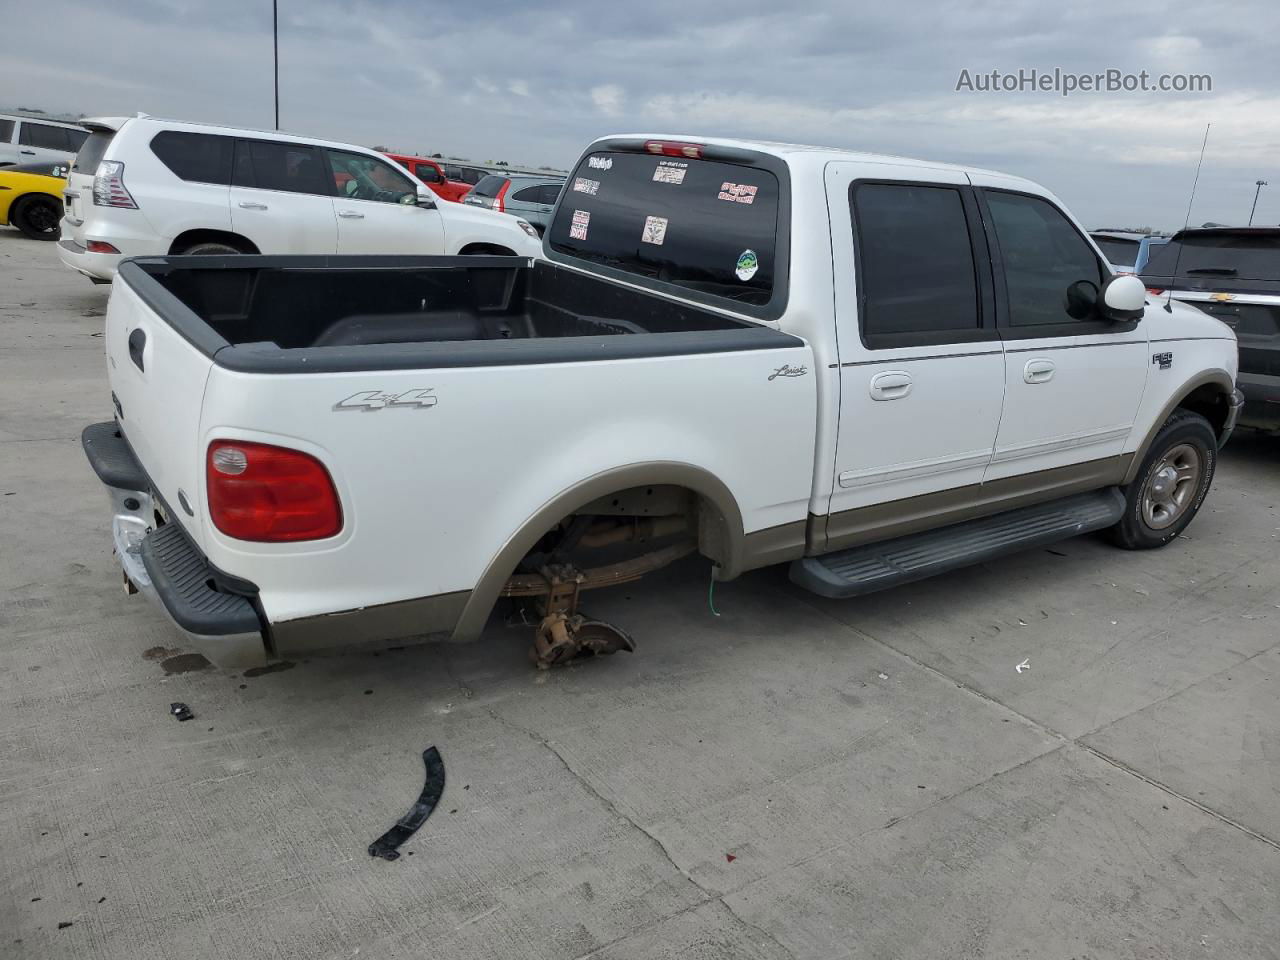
703,225
1236,255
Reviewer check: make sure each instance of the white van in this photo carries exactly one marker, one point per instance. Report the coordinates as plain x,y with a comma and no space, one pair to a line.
142,186
27,140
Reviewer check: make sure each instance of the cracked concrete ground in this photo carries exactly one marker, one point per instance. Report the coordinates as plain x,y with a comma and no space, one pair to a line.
796,778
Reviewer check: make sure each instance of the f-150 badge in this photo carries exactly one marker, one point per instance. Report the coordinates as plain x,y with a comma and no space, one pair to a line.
786,370
377,400
1163,360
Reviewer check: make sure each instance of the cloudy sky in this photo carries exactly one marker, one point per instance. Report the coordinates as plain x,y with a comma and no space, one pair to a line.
532,82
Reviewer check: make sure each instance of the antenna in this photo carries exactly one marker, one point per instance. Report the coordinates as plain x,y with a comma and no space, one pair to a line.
1177,258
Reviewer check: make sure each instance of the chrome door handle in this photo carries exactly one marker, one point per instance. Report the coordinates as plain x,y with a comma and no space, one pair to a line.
249,205
28,153
893,385
1038,371
350,215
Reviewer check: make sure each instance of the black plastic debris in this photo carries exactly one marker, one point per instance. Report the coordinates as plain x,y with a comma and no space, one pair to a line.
181,711
386,846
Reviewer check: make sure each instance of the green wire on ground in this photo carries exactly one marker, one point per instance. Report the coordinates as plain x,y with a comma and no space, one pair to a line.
711,594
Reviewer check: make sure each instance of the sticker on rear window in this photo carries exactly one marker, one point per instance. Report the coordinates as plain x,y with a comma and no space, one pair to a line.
583,185
748,264
600,163
670,171
655,230
737,192
578,229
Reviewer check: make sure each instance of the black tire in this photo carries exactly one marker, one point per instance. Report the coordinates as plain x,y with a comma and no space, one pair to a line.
209,248
1186,439
37,216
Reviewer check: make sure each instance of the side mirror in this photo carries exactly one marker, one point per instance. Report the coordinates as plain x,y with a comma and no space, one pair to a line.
1124,297
427,200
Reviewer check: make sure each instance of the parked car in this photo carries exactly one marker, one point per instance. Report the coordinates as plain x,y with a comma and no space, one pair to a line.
313,452
26,140
31,198
1119,247
521,195
432,174
1146,247
143,186
470,174
1233,274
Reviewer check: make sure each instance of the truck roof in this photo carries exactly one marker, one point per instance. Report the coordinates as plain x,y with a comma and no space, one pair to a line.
819,155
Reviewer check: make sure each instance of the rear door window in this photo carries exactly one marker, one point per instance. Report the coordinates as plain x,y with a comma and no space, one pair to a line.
46,136
290,167
917,274
197,157
91,152
6,131
700,225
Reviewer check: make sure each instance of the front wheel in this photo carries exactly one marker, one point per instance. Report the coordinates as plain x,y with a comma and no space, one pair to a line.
1170,485
38,217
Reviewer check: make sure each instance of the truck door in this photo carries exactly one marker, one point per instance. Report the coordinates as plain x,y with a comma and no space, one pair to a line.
921,364
1073,381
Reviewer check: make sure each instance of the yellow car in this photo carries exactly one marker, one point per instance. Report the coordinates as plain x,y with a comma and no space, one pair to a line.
31,198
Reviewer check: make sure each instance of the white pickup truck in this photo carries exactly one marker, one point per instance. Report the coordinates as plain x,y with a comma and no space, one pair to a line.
871,368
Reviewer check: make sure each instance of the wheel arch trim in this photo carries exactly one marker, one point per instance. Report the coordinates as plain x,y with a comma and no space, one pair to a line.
1215,377
696,479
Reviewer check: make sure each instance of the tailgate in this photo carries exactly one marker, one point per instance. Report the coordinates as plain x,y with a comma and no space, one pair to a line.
157,386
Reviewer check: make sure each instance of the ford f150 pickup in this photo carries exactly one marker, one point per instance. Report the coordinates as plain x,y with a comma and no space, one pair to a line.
871,368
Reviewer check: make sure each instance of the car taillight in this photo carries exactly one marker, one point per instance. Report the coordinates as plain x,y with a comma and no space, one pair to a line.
674,148
108,186
500,201
1155,291
99,246
270,494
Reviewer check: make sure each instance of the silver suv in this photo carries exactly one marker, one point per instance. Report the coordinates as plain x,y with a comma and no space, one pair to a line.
528,196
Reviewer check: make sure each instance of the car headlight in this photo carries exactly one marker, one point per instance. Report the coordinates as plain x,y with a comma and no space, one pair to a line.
528,228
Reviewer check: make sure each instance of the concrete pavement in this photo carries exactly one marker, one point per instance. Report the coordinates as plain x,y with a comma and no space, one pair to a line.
796,778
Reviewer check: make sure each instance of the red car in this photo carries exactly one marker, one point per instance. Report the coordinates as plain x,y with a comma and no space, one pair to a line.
433,175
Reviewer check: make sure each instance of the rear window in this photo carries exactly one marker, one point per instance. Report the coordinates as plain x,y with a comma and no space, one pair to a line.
701,225
1236,256
91,152
6,131
197,157
1117,251
488,187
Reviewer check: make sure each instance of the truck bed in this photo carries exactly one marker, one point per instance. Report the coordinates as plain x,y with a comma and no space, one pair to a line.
279,314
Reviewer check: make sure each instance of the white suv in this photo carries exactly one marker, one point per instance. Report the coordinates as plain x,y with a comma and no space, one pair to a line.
141,186
26,140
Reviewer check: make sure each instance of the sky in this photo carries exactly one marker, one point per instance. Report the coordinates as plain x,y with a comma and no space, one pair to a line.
533,82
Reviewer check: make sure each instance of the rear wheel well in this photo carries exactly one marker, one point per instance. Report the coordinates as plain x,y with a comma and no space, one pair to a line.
485,249
190,238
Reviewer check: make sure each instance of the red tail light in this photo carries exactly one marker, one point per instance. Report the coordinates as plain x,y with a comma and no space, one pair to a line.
270,494
99,246
108,186
500,201
674,148
1155,291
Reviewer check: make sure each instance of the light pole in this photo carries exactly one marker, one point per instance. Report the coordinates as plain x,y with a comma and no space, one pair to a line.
1261,184
275,58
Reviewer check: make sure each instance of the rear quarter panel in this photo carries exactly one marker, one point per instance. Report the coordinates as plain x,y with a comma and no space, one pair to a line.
431,494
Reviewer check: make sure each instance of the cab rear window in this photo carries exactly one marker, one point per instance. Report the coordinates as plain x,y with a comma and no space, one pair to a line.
707,226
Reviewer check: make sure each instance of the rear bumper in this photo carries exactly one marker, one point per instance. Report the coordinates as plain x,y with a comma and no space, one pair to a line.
218,614
100,266
1261,400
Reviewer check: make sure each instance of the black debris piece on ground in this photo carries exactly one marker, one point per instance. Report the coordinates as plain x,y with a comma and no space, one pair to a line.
64,924
432,789
181,711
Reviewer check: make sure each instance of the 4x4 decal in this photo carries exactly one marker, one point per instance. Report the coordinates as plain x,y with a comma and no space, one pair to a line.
377,400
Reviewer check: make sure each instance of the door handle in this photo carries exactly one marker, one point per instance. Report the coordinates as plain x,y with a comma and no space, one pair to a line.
1038,371
137,341
28,153
893,385
350,215
250,205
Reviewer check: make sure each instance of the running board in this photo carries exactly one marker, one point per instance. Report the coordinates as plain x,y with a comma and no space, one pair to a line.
878,566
